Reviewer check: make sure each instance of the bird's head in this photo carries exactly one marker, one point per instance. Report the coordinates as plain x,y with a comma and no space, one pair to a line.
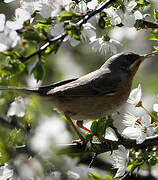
128,62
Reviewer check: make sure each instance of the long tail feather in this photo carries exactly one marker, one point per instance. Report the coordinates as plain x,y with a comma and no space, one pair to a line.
23,89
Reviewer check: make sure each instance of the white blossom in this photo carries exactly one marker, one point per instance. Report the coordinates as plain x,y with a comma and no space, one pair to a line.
5,172
99,45
128,18
135,96
8,39
155,107
137,128
114,18
17,107
8,1
72,41
47,11
21,16
2,22
92,4
88,32
57,29
31,6
50,131
120,159
81,7
28,168
110,134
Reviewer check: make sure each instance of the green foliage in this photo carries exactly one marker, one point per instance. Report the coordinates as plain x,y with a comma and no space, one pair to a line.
53,48
136,164
74,31
66,16
156,15
38,70
95,176
31,35
43,26
98,128
154,35
143,3
139,24
12,54
4,156
13,67
156,49
115,3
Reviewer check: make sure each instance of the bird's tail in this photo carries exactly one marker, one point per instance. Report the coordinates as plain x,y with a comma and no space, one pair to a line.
22,89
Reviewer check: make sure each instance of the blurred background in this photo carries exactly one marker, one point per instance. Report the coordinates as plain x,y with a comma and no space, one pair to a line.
70,62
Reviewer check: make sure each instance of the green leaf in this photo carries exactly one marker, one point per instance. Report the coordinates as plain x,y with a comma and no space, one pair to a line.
156,14
135,165
53,48
142,4
139,24
101,22
156,49
73,31
98,128
95,176
31,35
38,70
14,66
4,156
47,21
153,37
66,16
11,54
43,26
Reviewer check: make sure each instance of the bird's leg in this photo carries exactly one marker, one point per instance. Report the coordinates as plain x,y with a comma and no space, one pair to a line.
74,127
80,124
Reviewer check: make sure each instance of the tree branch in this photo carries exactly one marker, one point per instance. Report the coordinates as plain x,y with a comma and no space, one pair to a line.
149,24
62,36
103,147
44,47
11,123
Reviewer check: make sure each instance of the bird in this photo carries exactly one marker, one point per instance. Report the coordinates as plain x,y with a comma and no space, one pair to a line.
94,95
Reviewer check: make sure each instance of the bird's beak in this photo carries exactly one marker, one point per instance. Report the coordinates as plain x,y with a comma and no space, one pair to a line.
143,57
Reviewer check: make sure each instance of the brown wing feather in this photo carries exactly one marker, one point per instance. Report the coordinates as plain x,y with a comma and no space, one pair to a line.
92,84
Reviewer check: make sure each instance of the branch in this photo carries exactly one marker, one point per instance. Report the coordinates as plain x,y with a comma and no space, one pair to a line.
44,47
11,123
62,36
103,147
149,24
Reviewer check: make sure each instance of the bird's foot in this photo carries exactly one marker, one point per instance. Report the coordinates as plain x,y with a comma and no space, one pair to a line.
78,141
109,144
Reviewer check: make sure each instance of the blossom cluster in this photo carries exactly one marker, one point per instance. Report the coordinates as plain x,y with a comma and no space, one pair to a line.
125,14
132,123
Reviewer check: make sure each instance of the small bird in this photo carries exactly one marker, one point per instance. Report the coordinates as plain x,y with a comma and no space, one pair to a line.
93,95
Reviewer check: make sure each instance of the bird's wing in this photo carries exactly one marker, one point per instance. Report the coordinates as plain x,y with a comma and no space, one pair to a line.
42,90
93,84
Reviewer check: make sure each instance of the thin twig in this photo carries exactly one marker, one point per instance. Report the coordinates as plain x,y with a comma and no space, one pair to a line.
62,36
11,123
102,147
44,47
149,24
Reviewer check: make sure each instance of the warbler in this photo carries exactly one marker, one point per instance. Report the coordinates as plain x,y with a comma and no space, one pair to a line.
93,95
